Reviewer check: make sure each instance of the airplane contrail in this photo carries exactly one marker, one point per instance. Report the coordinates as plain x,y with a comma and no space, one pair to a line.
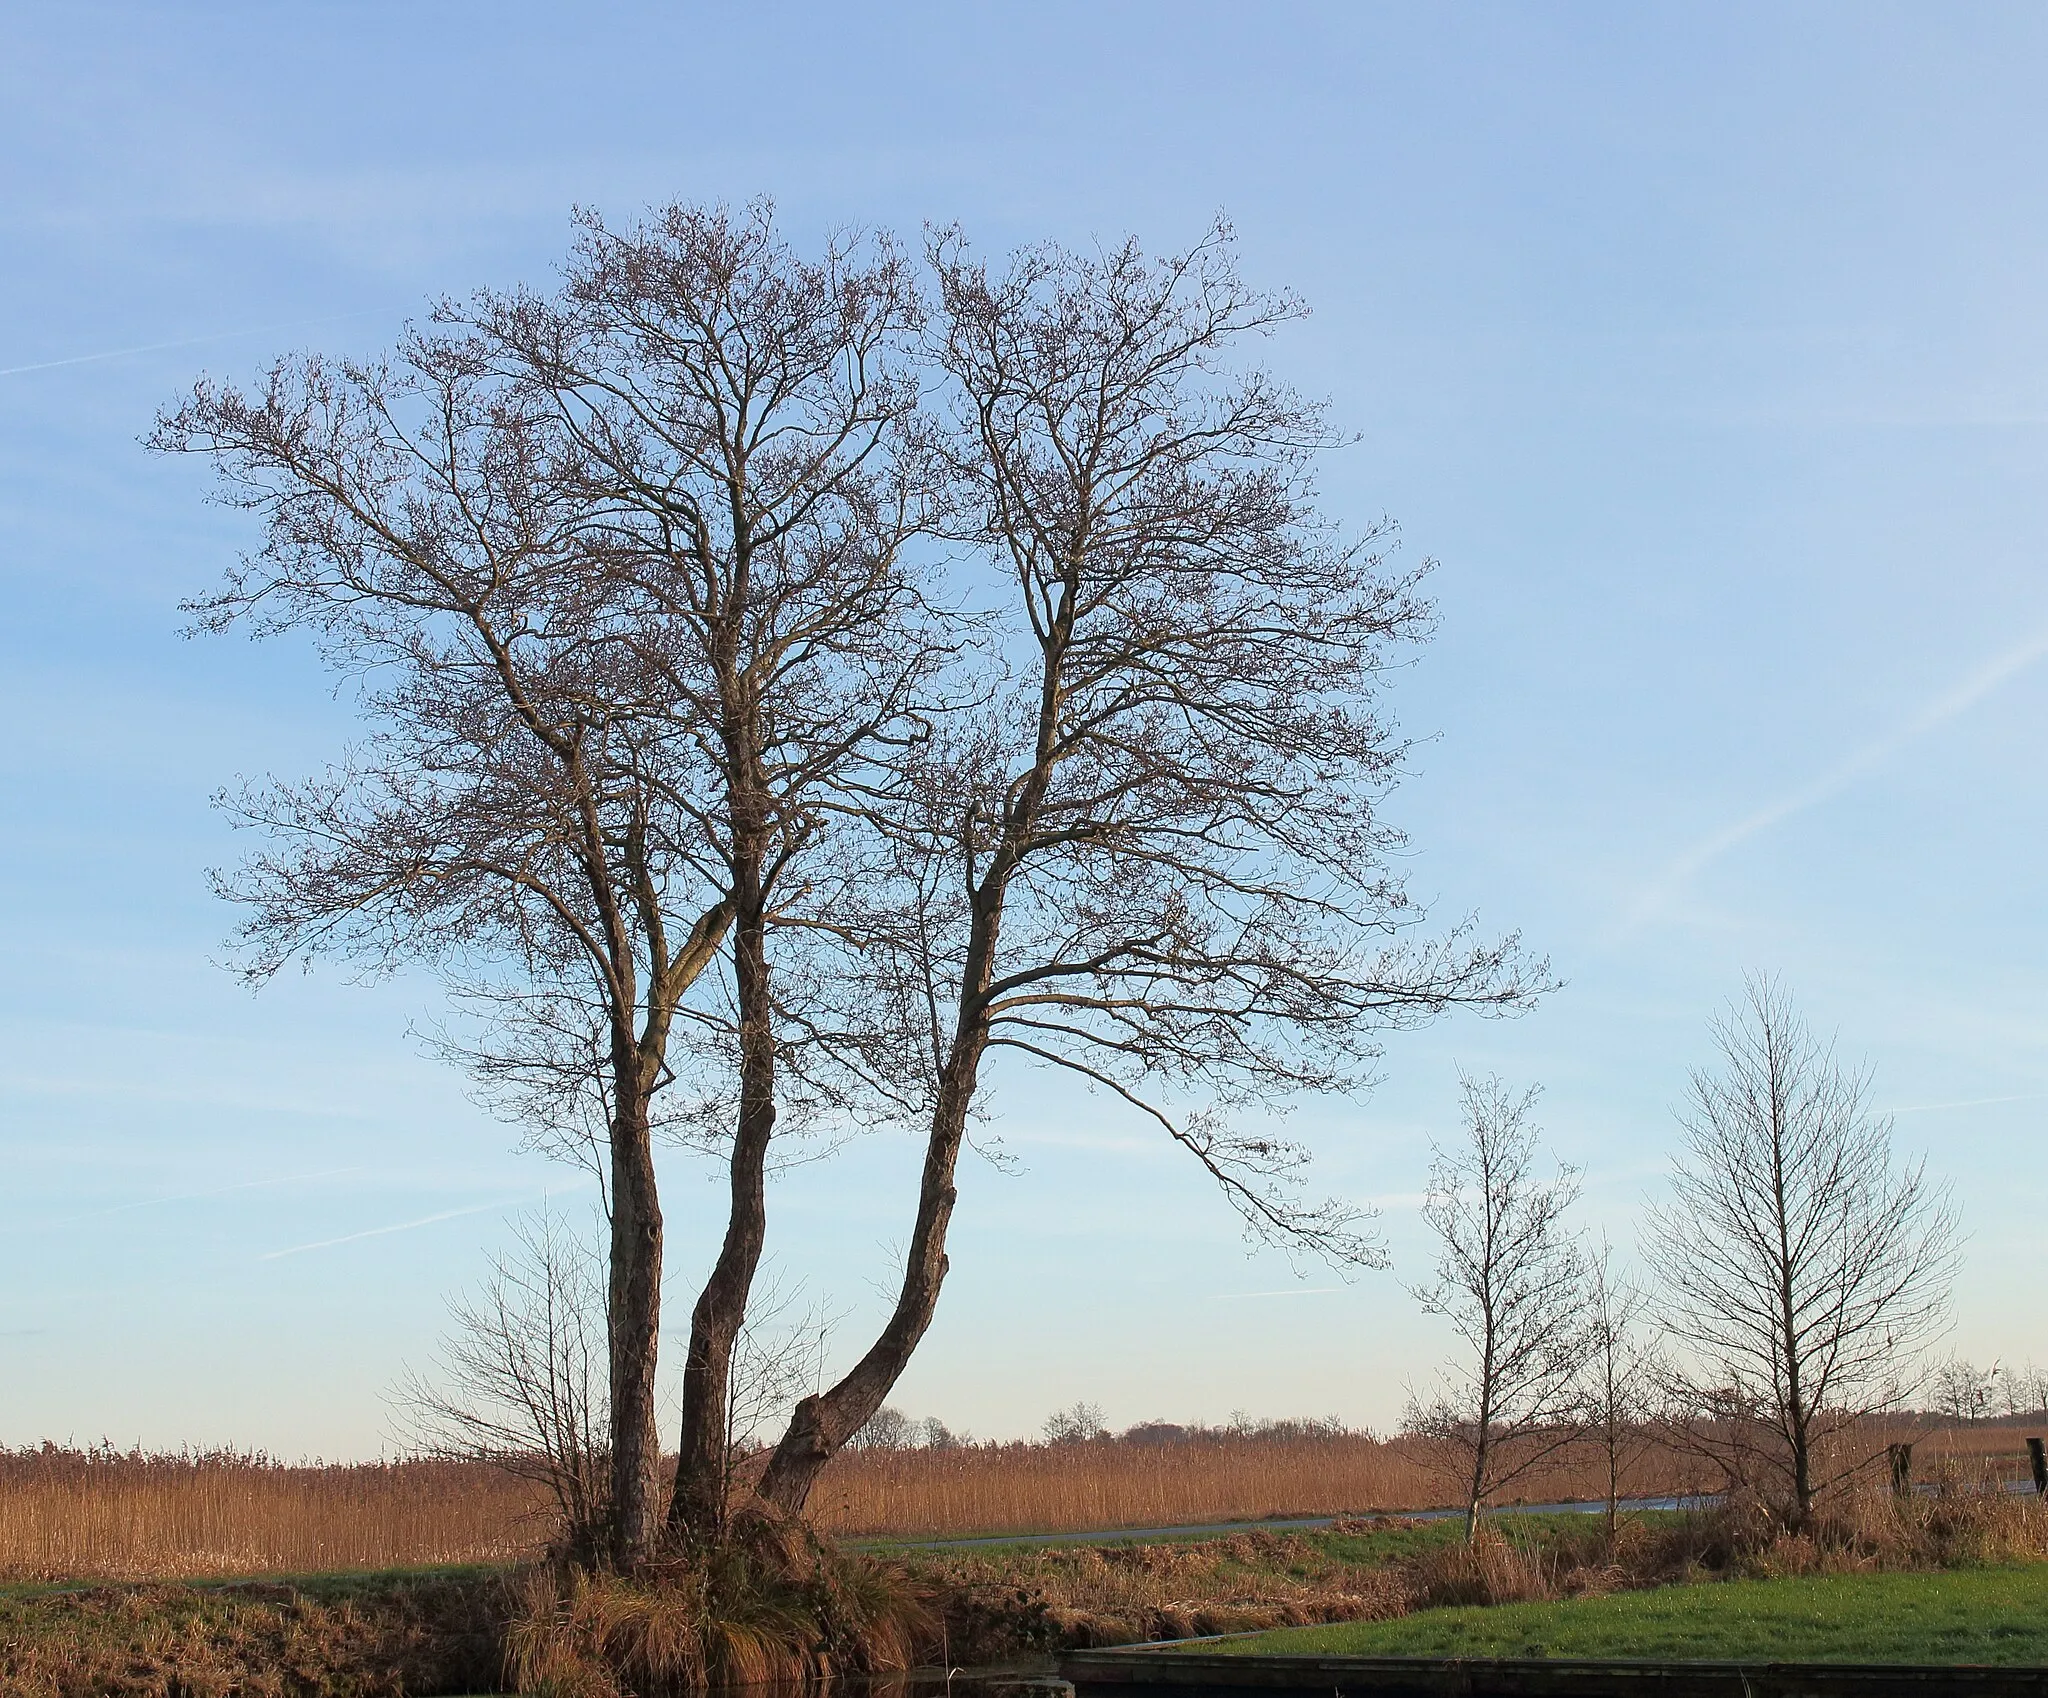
385,1231
1971,1102
191,1196
1972,689
186,342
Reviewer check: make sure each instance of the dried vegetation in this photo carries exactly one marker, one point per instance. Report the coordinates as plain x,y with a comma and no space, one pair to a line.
74,1515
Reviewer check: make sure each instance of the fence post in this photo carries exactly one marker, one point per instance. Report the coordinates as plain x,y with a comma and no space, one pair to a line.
1902,1468
2040,1462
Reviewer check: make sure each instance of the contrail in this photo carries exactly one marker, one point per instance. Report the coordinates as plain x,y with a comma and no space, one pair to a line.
191,1196
385,1231
1972,1102
187,342
1837,778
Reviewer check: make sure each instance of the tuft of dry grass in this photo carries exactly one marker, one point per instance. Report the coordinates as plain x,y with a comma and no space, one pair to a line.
776,1607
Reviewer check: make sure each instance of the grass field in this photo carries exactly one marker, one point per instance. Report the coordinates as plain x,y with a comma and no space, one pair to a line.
1993,1615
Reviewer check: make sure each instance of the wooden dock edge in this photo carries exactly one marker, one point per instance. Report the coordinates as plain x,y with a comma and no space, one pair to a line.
1130,1673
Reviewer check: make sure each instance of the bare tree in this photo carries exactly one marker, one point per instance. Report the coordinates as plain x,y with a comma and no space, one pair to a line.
1076,1424
522,1379
1620,1379
2026,1391
617,574
888,1429
1149,851
1965,1392
777,1358
1798,1264
1511,1280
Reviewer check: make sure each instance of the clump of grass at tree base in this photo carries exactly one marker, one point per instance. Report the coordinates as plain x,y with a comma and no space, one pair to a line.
772,1605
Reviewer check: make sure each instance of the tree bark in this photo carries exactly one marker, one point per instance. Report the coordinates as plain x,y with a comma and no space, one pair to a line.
820,1425
697,1507
635,1326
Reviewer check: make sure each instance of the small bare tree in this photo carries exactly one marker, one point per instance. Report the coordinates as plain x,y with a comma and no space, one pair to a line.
1511,1279
1965,1392
778,1358
1797,1263
2026,1392
522,1378
1076,1424
888,1429
1622,1372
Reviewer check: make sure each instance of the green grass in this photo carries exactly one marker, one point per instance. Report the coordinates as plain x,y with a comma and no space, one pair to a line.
1987,1615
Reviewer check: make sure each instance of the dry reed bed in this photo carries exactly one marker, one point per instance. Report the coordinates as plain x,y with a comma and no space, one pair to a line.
72,1514
1084,1487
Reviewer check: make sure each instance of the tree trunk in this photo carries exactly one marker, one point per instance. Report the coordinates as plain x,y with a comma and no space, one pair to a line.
820,1425
1473,1497
697,1508
1802,1473
1613,1476
634,1327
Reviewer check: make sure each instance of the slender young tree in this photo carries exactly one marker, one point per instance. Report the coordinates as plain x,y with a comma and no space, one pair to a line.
617,575
521,1380
1148,849
1797,1262
1511,1279
1620,1379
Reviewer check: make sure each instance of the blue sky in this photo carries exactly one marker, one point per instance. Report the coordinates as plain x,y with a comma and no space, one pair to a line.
1703,346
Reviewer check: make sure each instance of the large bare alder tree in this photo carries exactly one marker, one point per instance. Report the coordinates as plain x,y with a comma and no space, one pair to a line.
1511,1278
1147,848
617,575
1799,1264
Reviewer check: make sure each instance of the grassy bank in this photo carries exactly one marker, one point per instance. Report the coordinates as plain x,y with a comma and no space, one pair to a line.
444,1631
1939,1579
420,1633
1997,1615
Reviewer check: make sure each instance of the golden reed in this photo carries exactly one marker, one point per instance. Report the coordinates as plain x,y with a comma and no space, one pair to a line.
79,1514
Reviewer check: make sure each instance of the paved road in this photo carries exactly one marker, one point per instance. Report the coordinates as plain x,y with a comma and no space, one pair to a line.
1217,1529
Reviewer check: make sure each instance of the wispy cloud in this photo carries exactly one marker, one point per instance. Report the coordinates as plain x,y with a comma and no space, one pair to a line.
187,342
386,1231
1961,697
